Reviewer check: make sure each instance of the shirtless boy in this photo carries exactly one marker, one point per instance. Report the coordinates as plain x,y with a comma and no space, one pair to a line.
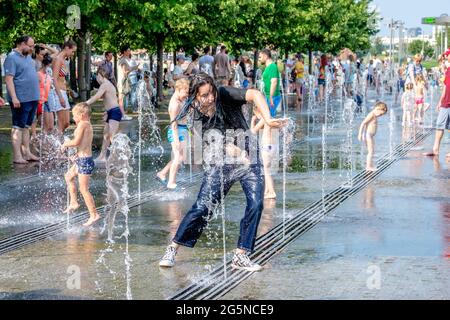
368,130
177,134
268,152
113,115
84,164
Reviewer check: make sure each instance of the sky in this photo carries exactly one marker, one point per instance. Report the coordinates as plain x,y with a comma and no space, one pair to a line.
410,11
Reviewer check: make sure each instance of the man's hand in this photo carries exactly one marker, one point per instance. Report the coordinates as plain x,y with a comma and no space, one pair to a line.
2,102
277,123
271,102
245,160
16,102
254,121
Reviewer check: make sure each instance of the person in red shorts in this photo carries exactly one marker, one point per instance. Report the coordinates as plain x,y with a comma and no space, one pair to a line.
45,81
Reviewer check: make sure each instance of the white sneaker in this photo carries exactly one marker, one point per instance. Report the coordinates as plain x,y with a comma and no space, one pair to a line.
168,260
242,261
126,118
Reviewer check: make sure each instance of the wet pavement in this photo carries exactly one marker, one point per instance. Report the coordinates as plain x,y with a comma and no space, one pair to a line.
397,227
390,241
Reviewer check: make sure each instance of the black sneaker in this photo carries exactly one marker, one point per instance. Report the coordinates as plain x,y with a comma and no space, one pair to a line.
168,260
242,261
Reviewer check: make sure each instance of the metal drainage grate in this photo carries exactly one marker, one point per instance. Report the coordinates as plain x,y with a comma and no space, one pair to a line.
215,285
40,233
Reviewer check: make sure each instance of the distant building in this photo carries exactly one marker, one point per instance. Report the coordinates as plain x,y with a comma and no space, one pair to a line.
428,38
414,32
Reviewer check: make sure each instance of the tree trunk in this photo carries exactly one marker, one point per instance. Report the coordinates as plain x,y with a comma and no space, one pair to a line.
82,67
214,50
88,64
255,64
286,54
73,74
115,66
151,61
174,58
159,69
310,63
1,79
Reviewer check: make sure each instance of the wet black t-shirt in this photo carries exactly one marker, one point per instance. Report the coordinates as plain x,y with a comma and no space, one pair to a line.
228,111
229,115
230,102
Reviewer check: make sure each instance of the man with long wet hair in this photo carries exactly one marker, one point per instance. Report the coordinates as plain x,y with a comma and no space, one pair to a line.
220,109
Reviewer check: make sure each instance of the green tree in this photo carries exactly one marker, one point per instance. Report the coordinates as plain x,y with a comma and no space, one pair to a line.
286,25
439,41
377,47
336,24
422,47
167,23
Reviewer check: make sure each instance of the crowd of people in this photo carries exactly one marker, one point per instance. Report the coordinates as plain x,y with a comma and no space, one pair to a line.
212,90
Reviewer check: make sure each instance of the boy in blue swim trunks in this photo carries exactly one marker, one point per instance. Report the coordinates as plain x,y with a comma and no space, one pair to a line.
113,114
83,162
176,134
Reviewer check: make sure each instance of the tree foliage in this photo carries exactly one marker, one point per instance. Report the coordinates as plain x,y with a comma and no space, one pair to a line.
422,47
287,25
293,25
377,47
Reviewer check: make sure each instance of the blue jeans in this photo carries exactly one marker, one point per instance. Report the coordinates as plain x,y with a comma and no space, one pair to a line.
276,103
209,198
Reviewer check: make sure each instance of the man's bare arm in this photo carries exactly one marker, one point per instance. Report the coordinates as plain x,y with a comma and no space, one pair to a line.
9,79
441,100
258,99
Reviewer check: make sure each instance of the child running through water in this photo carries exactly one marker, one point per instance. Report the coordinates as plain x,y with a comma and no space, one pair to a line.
420,94
113,115
368,130
84,164
408,105
176,135
268,150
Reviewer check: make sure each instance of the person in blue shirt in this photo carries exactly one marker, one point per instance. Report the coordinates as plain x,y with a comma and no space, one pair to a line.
22,84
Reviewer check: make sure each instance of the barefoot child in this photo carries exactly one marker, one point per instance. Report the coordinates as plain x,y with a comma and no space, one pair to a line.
84,164
45,83
112,115
367,132
176,135
268,149
408,104
420,93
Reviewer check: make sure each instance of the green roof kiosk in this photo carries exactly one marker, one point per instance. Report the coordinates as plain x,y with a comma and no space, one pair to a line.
443,20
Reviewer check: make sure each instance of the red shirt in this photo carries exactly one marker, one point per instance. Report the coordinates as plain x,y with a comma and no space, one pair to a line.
45,81
446,100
